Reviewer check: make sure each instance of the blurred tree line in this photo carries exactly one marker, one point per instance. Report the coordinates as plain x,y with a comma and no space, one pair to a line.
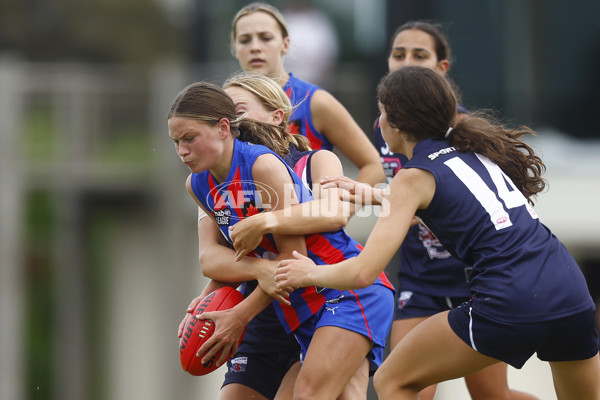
104,31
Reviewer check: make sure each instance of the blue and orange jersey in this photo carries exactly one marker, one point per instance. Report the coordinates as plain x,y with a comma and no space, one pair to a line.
238,197
300,94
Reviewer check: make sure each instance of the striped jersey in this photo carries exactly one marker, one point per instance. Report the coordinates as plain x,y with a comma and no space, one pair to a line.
238,197
300,94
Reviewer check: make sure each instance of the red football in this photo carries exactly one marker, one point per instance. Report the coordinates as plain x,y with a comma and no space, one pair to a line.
196,331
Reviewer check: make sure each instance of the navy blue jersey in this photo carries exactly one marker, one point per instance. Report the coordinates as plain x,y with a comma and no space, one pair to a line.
425,266
521,271
264,333
300,162
301,123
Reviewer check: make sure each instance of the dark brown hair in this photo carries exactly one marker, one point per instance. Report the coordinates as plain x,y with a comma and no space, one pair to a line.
209,103
440,41
442,47
421,103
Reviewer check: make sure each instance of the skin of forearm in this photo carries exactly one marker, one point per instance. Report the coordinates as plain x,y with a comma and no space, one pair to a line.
220,264
322,215
253,305
349,274
371,174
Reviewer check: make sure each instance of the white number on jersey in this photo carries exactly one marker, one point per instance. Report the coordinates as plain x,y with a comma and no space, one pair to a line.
488,199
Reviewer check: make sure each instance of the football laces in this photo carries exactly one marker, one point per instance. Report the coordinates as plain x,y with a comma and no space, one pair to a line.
205,329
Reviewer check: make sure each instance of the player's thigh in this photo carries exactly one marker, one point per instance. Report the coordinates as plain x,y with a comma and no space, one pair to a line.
237,391
430,353
332,358
577,379
401,327
286,389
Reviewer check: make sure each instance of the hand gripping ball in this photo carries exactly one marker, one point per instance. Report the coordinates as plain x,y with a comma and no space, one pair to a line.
196,331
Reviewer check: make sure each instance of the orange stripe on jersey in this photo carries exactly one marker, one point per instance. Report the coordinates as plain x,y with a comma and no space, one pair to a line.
320,246
315,142
290,315
218,201
362,311
386,282
313,299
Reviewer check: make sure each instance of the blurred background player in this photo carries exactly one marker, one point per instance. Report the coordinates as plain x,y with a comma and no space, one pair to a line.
260,41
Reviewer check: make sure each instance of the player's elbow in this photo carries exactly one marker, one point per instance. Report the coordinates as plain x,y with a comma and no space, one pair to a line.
363,278
206,266
372,172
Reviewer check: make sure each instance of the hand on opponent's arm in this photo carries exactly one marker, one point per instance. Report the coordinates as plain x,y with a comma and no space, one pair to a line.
217,262
295,272
411,190
355,192
324,214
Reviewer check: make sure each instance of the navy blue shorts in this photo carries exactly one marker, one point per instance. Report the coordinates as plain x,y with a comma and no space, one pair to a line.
416,305
565,339
262,372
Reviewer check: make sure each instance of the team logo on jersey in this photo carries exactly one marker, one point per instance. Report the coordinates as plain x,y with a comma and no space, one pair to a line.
238,364
246,198
403,298
334,301
295,127
432,244
248,209
391,166
222,216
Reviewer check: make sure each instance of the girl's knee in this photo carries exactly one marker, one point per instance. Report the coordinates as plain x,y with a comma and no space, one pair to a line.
388,385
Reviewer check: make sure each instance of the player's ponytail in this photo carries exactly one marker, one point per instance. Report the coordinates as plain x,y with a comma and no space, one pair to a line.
299,141
478,132
421,104
269,135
